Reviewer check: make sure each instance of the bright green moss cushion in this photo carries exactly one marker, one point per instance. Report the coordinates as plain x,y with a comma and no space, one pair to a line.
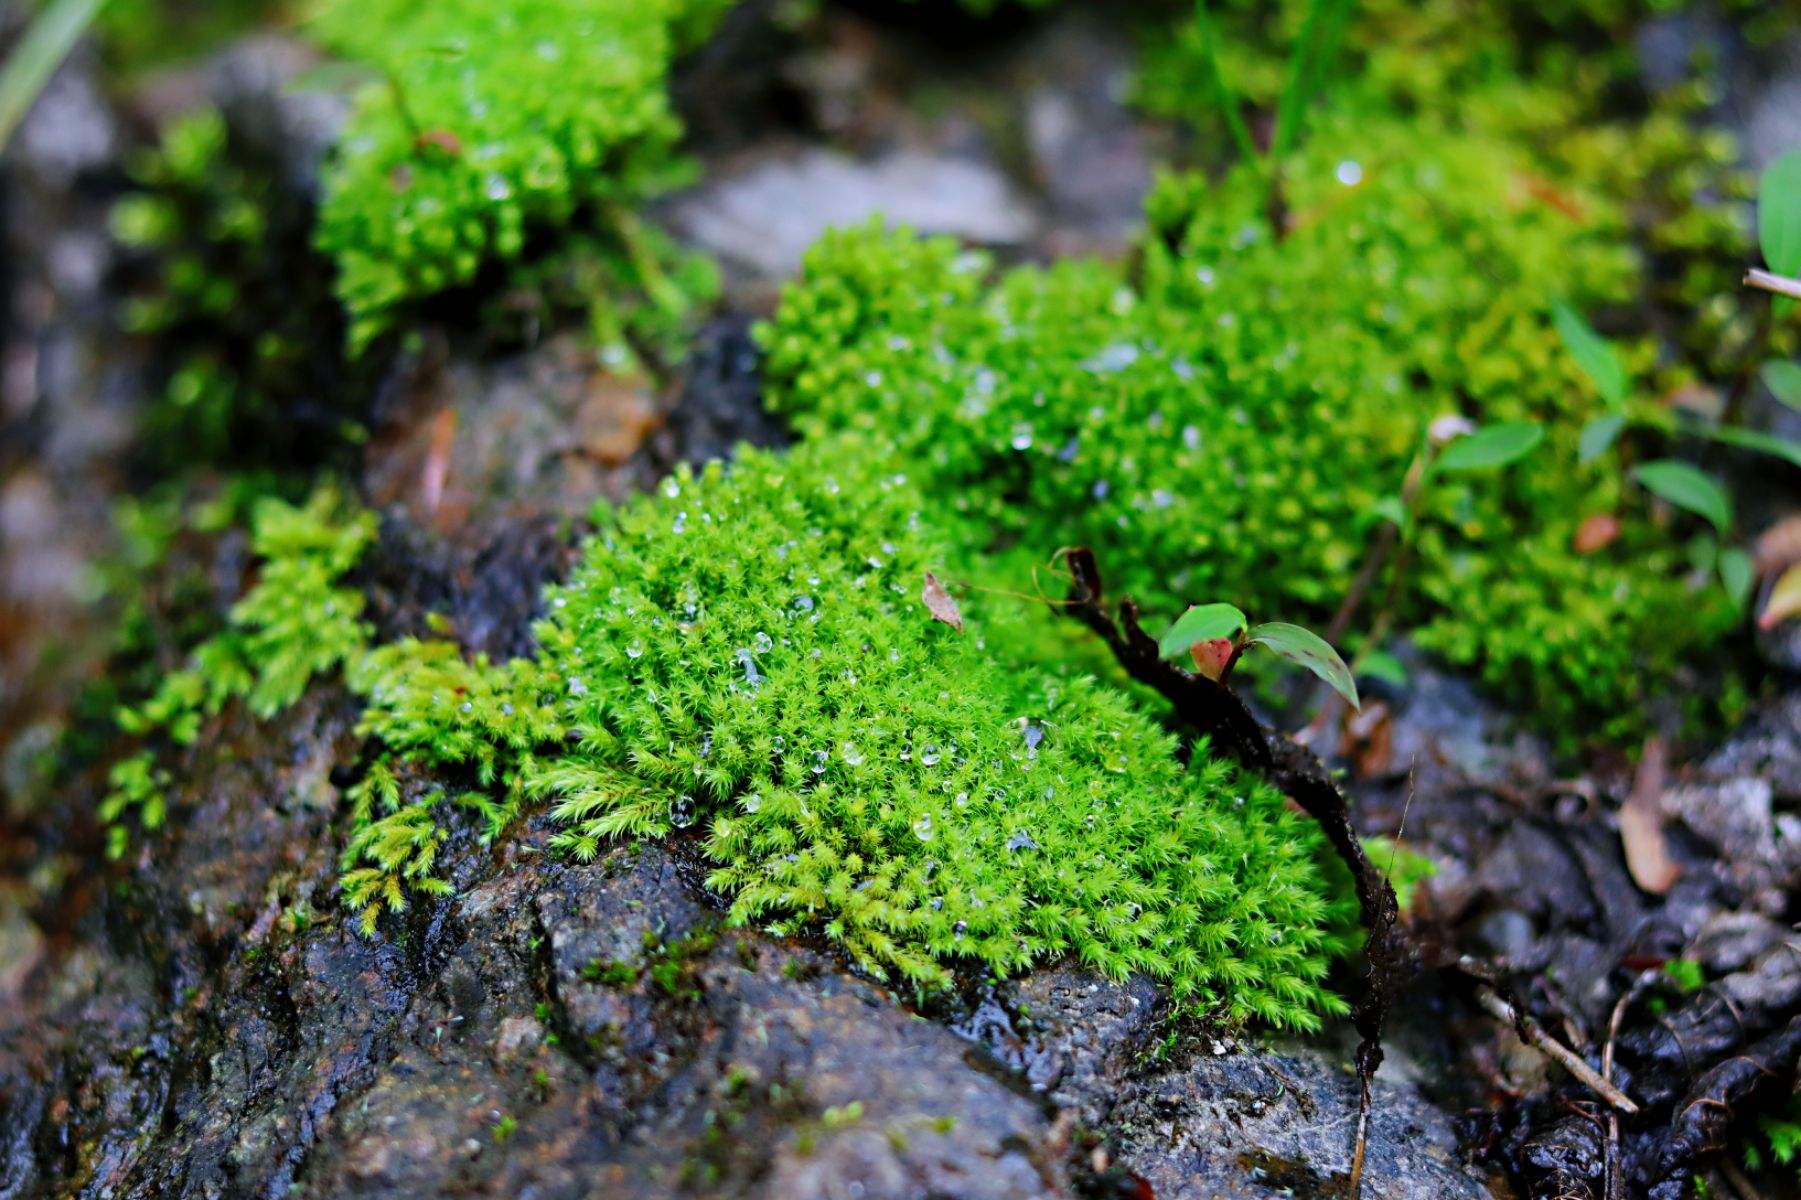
746,653
489,123
1225,421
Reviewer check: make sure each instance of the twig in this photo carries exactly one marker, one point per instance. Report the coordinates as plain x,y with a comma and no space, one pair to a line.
1616,1181
1769,281
1533,1032
1740,1184
1213,710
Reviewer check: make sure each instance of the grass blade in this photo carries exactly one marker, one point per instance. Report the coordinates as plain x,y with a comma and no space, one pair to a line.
51,36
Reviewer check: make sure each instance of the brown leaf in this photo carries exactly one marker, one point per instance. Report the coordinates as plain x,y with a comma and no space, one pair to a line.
1784,602
1779,546
1641,825
940,604
439,139
1595,533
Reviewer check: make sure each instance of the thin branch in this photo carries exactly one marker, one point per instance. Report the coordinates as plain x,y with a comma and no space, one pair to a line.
1214,711
1769,281
1533,1032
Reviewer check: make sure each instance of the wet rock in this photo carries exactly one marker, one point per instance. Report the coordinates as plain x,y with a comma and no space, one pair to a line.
1255,1123
761,217
1091,153
69,130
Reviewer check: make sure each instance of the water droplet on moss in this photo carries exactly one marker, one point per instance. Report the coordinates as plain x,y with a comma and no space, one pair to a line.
1021,841
635,650
922,828
752,803
761,642
1022,436
959,929
850,754
819,761
681,812
929,755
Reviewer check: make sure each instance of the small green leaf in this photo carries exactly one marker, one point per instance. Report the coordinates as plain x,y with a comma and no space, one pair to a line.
1737,574
1592,352
1491,446
1779,214
1202,623
1598,435
1750,439
1687,487
1310,650
1783,378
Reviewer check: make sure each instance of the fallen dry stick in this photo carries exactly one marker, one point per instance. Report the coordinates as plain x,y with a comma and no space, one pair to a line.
1533,1032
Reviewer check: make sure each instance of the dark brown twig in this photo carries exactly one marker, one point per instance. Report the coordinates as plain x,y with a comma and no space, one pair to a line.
1214,711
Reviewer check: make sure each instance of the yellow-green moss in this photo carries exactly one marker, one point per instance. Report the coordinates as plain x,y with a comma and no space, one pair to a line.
491,125
1231,420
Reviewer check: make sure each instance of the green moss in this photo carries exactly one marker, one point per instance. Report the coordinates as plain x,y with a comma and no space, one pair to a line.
246,332
1229,421
496,124
430,710
1563,87
295,624
745,655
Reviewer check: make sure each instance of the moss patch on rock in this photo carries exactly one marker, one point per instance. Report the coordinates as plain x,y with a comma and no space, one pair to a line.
745,655
490,125
1230,418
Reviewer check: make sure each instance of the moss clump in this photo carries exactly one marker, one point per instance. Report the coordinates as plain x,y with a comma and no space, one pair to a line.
1563,86
430,709
746,655
494,124
298,622
1232,421
247,333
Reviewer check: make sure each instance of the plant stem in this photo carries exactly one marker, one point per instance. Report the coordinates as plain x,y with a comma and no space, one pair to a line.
37,56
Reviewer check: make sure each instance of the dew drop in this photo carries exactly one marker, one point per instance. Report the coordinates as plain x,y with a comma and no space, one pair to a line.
928,756
959,929
922,828
681,812
1021,841
849,752
752,803
635,650
819,761
762,643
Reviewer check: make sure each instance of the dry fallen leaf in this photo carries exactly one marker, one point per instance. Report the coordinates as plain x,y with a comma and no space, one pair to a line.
939,603
1641,825
1595,533
1779,546
1784,601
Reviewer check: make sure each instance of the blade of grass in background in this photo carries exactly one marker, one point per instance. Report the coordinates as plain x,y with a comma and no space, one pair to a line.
36,57
1309,67
1223,97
